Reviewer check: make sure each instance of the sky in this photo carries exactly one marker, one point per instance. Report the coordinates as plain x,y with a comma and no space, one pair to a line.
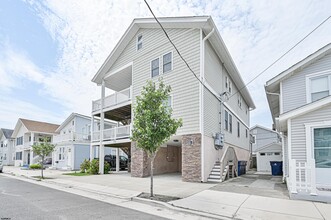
51,49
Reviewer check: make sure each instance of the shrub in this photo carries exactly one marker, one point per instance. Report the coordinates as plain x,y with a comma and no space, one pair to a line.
35,166
85,166
94,167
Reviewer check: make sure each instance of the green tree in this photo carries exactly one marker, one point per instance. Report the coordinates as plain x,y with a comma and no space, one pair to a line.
43,149
153,124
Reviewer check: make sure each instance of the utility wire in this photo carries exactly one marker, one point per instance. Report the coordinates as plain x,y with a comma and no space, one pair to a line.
195,75
282,56
180,55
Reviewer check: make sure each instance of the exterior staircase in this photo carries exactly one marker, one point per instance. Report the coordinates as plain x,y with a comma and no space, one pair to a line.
226,168
215,174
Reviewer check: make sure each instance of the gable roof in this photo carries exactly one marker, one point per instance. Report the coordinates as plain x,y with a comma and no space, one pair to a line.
35,126
202,22
262,127
272,86
7,132
70,118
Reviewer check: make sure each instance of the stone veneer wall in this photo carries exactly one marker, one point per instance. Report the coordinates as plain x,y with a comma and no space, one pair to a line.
167,160
191,158
139,162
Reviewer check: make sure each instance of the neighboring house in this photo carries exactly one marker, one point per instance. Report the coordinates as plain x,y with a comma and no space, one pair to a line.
25,134
266,147
7,149
72,142
300,103
144,53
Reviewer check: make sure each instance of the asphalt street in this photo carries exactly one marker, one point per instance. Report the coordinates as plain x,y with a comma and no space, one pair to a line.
22,200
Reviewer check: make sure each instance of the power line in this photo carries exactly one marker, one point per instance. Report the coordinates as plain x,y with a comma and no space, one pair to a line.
281,56
180,55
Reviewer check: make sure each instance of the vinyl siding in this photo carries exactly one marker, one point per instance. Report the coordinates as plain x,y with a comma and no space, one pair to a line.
298,130
294,88
263,137
81,152
185,87
215,75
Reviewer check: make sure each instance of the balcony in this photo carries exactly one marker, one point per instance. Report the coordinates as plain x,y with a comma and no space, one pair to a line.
113,134
116,99
71,137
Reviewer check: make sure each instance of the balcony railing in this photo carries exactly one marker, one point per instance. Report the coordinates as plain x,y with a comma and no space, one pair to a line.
112,134
113,99
71,137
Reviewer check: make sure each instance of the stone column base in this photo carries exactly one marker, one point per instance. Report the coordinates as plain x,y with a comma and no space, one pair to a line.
191,158
139,162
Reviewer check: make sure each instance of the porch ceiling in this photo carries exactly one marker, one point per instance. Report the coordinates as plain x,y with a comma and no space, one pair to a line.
118,114
120,79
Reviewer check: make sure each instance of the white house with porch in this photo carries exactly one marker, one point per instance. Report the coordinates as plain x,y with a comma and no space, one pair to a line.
7,149
300,103
26,133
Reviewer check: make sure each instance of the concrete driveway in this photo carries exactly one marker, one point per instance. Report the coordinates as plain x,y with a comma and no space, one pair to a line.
257,184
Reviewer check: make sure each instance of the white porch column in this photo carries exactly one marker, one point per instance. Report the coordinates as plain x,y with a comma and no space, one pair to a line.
102,124
91,133
23,158
32,138
117,160
31,157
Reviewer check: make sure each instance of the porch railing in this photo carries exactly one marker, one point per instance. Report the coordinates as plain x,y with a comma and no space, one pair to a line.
113,99
112,134
302,176
73,136
229,157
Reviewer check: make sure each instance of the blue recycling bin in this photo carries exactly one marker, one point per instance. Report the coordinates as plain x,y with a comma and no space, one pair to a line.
276,168
242,167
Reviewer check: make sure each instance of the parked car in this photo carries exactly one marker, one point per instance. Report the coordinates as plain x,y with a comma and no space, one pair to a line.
111,159
1,166
47,161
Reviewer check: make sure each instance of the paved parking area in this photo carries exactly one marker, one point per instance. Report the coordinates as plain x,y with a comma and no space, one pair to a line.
253,183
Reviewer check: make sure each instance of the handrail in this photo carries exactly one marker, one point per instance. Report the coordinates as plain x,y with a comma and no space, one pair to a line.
228,156
113,99
114,133
73,136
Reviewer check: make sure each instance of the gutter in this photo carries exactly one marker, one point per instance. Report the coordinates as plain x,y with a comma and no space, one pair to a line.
202,78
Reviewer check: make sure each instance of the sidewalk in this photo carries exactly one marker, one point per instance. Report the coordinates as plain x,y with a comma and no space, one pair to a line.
198,202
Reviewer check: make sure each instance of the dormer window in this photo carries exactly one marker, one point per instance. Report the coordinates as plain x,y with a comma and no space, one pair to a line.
139,41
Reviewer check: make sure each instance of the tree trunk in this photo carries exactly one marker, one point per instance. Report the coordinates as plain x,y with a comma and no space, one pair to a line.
42,167
152,168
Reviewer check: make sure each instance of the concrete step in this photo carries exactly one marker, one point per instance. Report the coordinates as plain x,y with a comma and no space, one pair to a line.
217,167
214,180
216,170
214,176
215,173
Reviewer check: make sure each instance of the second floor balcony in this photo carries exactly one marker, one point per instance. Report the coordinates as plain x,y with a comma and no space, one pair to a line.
115,100
71,137
113,134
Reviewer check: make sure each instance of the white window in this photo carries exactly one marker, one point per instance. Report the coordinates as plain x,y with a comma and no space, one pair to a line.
226,83
322,147
155,67
226,120
139,41
230,123
230,87
318,87
167,62
239,100
238,129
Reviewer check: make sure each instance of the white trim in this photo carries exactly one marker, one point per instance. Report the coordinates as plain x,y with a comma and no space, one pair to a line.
172,63
200,87
289,138
142,40
118,70
309,77
311,57
150,71
281,108
305,109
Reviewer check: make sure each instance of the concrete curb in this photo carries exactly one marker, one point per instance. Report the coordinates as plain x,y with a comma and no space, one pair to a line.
180,209
56,185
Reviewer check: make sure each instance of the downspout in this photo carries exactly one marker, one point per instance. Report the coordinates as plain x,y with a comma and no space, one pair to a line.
202,79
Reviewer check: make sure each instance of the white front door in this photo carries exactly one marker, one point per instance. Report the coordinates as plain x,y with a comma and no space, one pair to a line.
322,155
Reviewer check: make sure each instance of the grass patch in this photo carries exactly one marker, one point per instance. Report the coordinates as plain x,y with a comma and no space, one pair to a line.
77,174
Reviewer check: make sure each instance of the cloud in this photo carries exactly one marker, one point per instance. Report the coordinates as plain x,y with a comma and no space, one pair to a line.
255,32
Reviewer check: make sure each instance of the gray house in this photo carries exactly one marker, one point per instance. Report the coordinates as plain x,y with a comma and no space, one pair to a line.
144,53
266,147
7,147
300,103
